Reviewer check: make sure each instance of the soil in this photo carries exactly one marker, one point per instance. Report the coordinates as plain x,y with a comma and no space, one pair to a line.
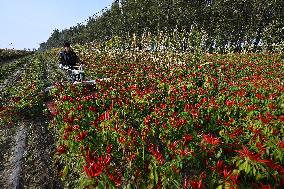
26,156
7,141
38,170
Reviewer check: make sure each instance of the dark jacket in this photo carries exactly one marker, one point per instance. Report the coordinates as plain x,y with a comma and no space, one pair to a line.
68,58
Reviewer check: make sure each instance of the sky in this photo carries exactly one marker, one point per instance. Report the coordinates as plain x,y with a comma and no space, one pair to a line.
27,23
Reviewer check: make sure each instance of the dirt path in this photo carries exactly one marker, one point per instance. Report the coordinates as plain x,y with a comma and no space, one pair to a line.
39,171
7,141
13,164
26,155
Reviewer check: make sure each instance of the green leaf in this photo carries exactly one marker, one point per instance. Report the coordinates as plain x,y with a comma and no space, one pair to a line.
247,167
253,171
143,186
219,187
155,173
101,185
218,155
65,170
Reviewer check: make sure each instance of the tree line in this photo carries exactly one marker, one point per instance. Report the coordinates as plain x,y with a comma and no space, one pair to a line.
222,23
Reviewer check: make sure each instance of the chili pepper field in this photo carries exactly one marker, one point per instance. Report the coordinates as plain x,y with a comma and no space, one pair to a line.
154,119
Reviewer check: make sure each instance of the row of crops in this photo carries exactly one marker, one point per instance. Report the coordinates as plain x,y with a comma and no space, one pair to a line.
161,119
25,80
7,70
25,143
21,92
165,120
8,54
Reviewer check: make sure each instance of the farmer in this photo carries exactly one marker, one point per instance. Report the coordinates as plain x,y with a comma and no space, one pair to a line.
68,57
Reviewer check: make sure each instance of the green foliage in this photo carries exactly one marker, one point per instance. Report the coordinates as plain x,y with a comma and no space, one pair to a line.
229,25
